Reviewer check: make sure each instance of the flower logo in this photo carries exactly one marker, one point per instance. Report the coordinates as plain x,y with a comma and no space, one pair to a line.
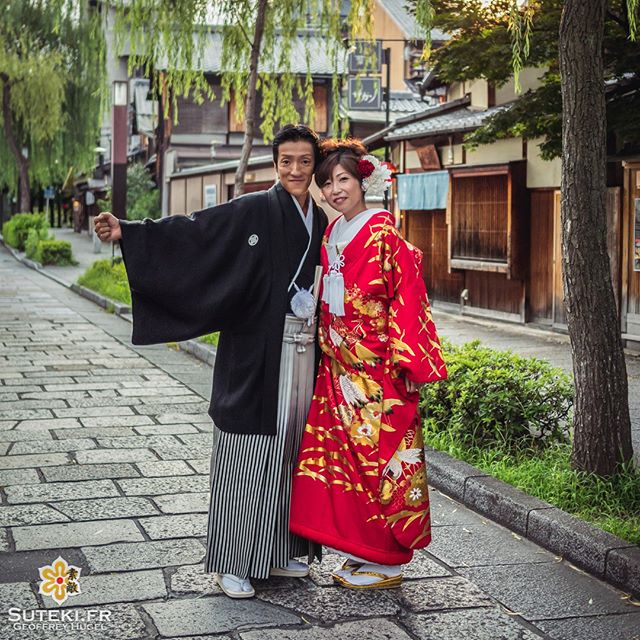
59,580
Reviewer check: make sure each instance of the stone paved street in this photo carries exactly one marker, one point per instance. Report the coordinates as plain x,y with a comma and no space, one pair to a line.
104,455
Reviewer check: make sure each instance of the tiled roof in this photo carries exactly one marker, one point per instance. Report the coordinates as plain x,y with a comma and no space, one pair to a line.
403,103
320,61
397,9
458,120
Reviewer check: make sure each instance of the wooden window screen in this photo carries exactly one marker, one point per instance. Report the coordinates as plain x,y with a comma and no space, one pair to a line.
480,218
488,219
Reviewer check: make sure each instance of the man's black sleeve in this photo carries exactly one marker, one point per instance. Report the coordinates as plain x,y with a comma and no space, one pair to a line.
192,275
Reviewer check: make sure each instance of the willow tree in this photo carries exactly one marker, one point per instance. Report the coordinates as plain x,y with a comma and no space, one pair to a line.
51,81
260,39
602,431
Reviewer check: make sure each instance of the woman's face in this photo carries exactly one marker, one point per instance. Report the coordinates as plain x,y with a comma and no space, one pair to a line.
343,191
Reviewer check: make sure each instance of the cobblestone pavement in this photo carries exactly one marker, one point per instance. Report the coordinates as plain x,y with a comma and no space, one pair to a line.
104,455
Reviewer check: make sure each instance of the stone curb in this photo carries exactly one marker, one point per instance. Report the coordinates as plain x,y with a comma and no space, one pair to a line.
600,553
106,303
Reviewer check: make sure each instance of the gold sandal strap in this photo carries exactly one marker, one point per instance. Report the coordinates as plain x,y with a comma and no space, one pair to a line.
375,574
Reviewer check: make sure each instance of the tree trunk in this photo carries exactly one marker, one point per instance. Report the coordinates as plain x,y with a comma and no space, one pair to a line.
21,161
251,104
602,438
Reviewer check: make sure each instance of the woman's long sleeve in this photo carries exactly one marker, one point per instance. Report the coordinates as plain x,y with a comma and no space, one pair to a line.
415,347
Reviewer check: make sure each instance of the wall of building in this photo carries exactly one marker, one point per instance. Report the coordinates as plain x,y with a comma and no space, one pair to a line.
385,28
496,153
529,79
542,174
451,154
478,91
264,174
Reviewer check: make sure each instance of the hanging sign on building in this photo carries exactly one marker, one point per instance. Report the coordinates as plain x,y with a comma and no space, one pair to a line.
429,158
366,57
365,94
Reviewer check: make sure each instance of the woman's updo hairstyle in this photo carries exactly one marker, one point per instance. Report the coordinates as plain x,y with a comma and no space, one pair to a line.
345,153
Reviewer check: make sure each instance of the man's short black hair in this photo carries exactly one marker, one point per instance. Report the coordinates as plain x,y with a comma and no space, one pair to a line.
293,133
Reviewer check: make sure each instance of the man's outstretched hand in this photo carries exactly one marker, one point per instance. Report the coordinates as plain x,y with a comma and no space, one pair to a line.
107,227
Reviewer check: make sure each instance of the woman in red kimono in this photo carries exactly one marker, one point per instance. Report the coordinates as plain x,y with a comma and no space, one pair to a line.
360,485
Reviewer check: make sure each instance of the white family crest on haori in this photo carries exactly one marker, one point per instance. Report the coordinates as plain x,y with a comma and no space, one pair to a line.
376,175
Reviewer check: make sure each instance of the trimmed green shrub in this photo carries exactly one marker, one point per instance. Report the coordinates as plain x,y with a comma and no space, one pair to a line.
16,229
498,398
110,280
32,244
55,252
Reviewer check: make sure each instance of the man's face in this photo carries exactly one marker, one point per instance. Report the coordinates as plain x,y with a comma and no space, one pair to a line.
295,166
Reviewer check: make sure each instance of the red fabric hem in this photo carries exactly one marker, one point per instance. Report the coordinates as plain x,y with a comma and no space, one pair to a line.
377,556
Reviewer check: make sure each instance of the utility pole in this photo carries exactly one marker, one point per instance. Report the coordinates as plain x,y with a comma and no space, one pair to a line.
387,150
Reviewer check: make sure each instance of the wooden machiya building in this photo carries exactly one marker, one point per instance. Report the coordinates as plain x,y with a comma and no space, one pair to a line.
207,138
488,219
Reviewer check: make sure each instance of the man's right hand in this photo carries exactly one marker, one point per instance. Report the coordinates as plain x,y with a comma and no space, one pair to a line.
107,227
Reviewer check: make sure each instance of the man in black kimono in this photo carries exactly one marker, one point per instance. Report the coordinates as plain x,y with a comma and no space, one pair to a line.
235,268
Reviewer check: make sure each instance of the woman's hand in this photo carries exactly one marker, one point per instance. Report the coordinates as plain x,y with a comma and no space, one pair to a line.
412,387
107,227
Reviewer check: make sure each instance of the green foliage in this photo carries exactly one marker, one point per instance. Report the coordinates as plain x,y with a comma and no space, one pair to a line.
497,39
612,504
176,33
211,338
108,279
143,199
32,245
54,252
52,63
498,398
104,204
16,230
509,416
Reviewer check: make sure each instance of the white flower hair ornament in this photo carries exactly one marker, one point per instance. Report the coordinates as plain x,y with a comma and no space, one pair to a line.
376,175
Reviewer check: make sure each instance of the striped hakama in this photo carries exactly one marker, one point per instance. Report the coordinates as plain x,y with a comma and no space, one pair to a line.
248,527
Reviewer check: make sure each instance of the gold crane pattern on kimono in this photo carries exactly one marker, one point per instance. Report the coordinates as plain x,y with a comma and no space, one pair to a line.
362,452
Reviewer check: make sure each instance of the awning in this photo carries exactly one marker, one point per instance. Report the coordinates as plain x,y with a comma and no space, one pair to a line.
423,190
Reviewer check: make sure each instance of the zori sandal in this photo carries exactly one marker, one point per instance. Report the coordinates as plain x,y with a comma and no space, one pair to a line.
294,569
345,578
235,587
